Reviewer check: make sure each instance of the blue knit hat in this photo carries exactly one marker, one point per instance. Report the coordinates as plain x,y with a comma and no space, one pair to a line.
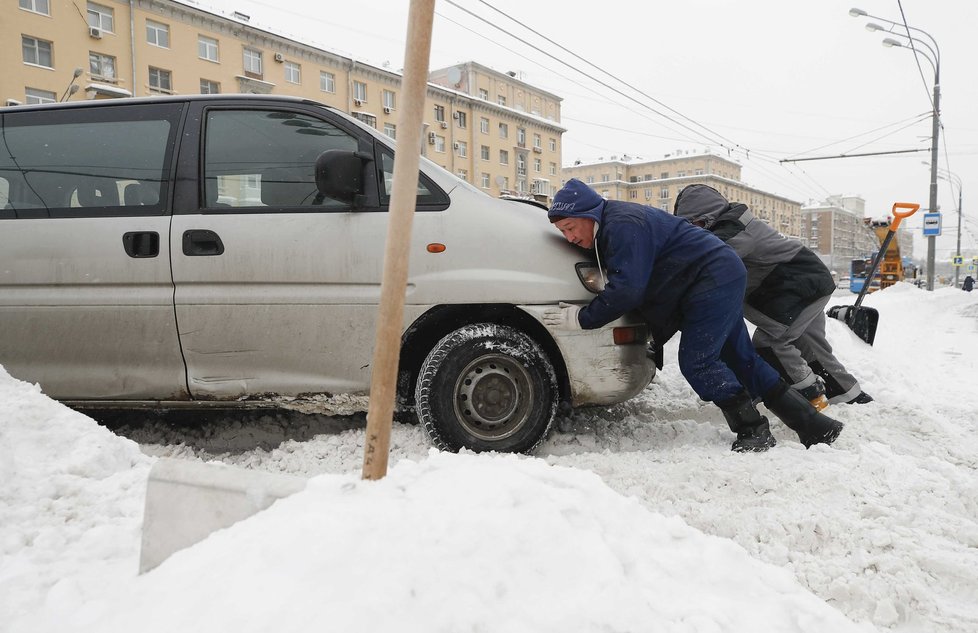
574,200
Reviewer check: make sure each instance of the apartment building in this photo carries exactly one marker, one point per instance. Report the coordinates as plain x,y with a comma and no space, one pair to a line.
658,182
837,229
490,128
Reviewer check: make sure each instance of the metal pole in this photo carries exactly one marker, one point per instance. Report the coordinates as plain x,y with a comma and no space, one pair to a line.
957,269
935,131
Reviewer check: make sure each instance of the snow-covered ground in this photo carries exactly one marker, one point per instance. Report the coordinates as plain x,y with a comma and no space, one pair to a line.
632,518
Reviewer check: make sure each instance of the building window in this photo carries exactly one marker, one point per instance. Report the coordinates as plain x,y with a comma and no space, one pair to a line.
505,183
101,66
483,93
160,80
208,87
207,48
680,174
664,175
39,96
521,185
503,157
501,100
463,174
484,125
390,130
293,73
369,119
520,137
553,145
664,192
463,149
327,81
36,51
360,91
484,152
439,143
648,194
503,130
390,99
157,34
101,18
633,194
440,113
537,165
520,164
537,141
553,169
590,180
37,6
605,178
462,119
485,180
252,62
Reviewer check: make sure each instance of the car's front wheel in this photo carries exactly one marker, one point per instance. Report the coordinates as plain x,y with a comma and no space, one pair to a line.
487,387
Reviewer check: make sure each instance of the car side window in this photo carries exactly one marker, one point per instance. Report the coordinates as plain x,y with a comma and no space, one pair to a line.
267,158
86,162
430,197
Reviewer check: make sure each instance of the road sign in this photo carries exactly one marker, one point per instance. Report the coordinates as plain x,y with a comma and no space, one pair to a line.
932,224
957,260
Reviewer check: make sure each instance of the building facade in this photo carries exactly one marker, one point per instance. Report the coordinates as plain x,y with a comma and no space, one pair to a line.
839,232
658,182
490,128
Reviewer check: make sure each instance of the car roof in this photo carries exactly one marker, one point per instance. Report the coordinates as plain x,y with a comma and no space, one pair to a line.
240,97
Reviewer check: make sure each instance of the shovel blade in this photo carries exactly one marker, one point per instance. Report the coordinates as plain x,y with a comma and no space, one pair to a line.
861,320
186,501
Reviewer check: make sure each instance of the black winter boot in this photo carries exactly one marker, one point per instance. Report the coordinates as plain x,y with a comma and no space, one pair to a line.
752,429
801,417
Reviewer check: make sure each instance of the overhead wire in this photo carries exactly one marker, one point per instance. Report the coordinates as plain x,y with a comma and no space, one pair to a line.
702,135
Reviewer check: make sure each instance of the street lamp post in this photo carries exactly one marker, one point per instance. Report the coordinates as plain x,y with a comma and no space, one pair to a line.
955,180
935,117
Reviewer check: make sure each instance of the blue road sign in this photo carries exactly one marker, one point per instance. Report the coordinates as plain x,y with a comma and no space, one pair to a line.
932,224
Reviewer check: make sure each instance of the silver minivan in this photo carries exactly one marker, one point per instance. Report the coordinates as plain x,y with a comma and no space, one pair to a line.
227,249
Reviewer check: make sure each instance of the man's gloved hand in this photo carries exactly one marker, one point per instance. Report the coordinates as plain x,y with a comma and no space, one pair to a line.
563,317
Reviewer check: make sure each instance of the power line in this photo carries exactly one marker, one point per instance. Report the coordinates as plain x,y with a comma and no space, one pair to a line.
592,77
592,65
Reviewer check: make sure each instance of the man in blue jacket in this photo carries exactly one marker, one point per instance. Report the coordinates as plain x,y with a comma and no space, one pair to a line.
682,278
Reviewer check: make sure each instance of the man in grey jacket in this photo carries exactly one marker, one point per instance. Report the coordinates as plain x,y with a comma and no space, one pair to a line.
788,288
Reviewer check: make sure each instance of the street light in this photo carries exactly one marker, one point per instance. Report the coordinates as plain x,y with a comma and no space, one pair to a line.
72,87
935,51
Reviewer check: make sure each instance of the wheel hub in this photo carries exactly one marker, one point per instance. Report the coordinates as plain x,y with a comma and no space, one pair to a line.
493,396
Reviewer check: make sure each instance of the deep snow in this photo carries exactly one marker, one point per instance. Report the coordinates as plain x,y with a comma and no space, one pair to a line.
631,518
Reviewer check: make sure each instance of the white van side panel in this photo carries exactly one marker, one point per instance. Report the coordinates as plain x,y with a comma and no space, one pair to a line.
81,317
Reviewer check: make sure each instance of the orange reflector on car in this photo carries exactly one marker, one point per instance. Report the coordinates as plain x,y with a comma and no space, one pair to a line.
626,335
435,247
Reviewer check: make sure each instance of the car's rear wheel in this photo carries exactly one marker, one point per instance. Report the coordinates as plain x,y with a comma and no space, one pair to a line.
487,387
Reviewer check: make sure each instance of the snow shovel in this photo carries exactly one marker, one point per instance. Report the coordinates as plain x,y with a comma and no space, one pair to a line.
863,321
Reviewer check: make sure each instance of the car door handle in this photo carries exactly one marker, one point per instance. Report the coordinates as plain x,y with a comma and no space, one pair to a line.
141,243
202,243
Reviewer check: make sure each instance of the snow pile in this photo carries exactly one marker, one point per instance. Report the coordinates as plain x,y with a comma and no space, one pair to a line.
71,501
458,543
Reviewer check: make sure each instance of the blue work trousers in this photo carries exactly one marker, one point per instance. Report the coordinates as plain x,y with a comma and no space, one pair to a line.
716,355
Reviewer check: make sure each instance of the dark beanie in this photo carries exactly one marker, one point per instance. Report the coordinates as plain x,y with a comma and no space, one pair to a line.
575,199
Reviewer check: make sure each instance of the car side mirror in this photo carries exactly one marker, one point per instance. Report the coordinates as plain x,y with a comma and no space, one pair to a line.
339,174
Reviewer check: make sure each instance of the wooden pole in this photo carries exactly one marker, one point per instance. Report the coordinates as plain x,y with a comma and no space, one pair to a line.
387,343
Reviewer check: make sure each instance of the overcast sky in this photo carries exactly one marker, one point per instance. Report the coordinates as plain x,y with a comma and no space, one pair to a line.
767,79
